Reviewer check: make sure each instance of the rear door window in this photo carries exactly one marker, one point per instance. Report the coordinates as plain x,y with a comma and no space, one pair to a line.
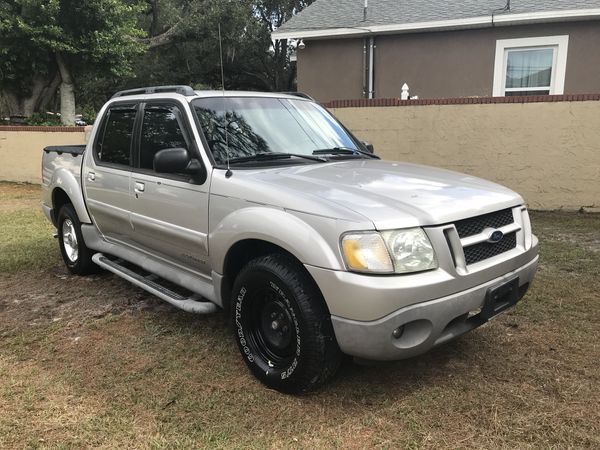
162,128
114,144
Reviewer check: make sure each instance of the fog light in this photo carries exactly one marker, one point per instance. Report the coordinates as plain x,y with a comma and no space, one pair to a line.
398,332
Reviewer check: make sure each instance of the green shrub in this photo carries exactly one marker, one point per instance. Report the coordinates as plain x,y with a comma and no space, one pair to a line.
44,120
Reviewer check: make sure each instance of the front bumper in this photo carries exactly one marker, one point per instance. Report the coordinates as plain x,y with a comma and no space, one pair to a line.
425,325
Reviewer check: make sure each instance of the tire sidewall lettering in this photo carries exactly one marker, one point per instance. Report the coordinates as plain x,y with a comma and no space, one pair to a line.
240,329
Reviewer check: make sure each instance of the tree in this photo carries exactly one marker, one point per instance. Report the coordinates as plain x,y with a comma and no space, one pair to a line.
86,50
183,44
183,35
45,45
273,14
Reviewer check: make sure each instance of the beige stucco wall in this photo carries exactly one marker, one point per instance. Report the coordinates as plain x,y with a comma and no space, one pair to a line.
548,152
21,152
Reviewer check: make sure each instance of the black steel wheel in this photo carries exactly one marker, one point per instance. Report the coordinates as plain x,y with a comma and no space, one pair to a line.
282,325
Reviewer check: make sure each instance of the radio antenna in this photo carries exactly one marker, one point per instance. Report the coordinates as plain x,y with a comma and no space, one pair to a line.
228,173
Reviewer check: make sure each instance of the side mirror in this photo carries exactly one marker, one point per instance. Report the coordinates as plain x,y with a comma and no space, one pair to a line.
179,160
172,160
369,147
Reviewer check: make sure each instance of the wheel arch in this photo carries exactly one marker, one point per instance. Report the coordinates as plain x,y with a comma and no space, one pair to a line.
240,254
67,189
276,227
59,199
258,231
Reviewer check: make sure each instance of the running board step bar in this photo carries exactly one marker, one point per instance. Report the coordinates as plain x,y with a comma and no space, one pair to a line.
147,282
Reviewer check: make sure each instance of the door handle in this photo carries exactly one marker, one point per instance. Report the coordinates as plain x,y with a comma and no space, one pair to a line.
91,176
139,187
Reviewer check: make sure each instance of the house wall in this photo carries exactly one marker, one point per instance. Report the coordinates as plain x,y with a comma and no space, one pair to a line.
21,149
444,64
331,69
549,152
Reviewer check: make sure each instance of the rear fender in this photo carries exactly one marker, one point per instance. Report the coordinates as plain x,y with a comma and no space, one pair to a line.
65,180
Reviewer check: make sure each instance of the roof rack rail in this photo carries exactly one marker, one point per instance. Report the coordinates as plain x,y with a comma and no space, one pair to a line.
299,94
178,89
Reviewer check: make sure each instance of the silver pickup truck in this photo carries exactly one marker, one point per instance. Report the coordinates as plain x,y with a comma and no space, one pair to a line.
264,205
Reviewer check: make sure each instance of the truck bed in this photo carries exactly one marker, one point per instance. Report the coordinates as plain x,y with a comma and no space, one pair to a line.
61,167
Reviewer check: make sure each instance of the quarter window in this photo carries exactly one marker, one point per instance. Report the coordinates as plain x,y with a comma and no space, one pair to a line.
531,66
162,128
114,145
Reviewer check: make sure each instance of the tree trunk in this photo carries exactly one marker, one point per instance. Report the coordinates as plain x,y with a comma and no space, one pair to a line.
48,94
165,38
155,16
24,107
67,92
280,66
14,103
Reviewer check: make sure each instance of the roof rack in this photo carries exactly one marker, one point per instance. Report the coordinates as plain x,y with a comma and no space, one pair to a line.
299,94
178,89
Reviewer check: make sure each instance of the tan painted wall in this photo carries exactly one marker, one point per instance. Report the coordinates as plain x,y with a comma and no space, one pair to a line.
548,152
21,152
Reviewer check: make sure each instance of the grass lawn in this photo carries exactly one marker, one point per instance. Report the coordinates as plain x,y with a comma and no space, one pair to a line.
95,362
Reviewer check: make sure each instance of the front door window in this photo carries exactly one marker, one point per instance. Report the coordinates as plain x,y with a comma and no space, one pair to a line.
161,129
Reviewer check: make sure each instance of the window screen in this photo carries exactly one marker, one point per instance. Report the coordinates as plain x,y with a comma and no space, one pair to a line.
529,71
161,129
114,145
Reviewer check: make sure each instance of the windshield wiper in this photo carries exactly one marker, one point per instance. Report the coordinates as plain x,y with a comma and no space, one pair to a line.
344,151
271,156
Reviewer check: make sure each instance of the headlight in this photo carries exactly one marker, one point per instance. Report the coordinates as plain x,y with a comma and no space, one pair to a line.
411,250
400,251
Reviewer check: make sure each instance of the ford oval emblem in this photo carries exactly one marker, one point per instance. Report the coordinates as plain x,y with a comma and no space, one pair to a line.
495,237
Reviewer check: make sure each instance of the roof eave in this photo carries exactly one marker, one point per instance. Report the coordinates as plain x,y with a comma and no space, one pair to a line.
474,22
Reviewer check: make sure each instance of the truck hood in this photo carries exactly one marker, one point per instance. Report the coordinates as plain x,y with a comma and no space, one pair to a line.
389,194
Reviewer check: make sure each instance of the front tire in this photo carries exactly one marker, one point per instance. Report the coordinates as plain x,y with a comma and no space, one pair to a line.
76,255
282,325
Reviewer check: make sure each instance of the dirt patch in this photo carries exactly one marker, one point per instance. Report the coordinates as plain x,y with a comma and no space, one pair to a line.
55,295
14,197
96,362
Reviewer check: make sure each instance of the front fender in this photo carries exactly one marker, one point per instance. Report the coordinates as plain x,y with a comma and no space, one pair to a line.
64,179
277,227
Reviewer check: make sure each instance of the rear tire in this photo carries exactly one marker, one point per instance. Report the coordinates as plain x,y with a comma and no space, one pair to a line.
76,255
282,325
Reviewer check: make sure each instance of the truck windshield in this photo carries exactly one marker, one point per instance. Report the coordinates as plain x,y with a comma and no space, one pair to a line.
246,126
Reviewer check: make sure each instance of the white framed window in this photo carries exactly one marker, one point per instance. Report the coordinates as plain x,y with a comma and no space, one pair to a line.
530,66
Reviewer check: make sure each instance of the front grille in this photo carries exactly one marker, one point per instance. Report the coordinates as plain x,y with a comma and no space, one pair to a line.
475,225
485,250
